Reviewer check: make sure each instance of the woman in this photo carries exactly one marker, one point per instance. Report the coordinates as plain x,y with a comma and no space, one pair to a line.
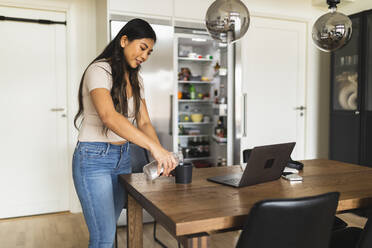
111,101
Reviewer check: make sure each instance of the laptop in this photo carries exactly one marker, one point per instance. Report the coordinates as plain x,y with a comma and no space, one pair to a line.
265,163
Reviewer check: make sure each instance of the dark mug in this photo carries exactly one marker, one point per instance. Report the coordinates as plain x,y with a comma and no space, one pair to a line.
183,173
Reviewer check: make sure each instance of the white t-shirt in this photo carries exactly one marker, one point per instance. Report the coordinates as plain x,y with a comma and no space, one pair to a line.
98,75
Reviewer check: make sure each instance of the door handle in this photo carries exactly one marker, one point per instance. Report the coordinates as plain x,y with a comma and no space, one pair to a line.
245,115
300,108
57,109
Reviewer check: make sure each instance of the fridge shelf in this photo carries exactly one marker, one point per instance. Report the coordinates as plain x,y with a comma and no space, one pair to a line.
194,123
219,139
197,158
196,82
196,100
192,136
195,59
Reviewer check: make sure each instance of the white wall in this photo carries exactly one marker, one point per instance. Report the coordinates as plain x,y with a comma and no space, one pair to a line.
81,47
102,25
82,50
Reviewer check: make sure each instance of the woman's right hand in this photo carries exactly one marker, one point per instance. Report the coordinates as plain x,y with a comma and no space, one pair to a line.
164,158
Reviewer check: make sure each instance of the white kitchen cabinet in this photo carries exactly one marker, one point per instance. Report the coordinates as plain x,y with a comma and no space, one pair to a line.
145,7
191,9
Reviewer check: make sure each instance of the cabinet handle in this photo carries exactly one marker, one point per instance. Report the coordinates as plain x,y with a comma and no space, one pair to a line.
357,112
171,115
245,115
57,109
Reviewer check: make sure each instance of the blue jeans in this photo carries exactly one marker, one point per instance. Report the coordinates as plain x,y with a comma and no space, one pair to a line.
96,166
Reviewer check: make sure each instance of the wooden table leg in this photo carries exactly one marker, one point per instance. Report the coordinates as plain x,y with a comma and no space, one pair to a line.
134,222
201,241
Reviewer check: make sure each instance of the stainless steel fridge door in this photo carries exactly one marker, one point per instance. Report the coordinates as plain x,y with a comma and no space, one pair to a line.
157,74
239,110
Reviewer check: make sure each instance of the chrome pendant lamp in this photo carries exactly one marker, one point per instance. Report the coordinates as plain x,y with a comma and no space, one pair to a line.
332,30
227,20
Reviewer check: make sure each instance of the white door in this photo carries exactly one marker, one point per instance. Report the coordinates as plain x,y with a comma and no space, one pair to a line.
33,147
273,66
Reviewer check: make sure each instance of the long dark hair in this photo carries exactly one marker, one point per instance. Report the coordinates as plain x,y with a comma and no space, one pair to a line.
113,54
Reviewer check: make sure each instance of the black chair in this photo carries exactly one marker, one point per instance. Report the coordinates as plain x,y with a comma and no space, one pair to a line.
353,237
338,224
290,223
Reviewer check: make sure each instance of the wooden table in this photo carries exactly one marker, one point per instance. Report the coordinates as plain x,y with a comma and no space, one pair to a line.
191,212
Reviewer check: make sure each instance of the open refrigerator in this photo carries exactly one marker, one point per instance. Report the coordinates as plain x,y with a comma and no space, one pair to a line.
203,120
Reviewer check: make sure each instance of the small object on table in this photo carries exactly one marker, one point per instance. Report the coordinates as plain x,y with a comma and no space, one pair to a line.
292,176
290,170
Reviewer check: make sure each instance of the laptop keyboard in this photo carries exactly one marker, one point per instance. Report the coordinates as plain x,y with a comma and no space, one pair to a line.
233,181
